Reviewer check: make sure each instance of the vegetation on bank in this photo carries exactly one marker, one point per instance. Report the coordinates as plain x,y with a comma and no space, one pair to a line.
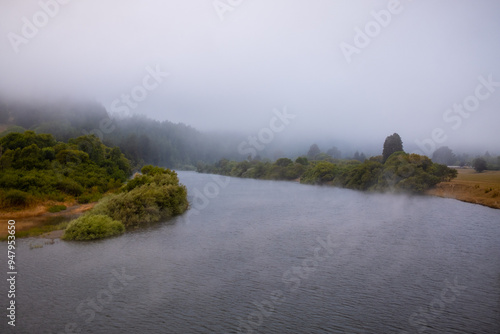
91,227
148,198
35,168
395,170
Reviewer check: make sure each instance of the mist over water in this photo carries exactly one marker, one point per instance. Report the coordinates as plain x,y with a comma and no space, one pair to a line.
276,257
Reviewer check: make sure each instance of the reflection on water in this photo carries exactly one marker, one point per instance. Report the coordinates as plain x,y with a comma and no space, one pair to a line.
275,257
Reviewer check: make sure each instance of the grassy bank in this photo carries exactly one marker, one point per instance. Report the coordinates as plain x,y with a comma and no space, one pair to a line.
472,187
35,221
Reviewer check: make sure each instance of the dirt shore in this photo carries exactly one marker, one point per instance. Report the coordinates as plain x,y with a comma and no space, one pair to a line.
39,216
472,187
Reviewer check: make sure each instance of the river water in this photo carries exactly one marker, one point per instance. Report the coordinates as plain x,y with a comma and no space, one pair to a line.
272,257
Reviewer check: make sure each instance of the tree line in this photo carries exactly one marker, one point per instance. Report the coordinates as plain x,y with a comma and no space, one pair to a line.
393,170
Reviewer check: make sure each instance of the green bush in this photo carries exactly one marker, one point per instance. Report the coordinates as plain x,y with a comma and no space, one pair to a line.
153,197
70,187
92,227
14,198
148,203
89,198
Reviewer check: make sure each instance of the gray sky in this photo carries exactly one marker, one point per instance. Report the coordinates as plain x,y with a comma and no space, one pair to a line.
230,67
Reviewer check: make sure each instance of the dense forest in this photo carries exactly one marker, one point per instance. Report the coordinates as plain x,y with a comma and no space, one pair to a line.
141,139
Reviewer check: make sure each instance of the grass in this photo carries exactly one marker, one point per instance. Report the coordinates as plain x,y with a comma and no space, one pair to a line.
57,208
34,221
38,230
470,186
490,178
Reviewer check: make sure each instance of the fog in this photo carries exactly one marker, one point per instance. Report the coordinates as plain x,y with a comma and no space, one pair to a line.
349,73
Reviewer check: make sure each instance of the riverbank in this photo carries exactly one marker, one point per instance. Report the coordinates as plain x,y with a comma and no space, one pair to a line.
38,220
477,188
472,187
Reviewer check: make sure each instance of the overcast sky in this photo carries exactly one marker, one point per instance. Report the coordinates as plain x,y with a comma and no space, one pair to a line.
343,74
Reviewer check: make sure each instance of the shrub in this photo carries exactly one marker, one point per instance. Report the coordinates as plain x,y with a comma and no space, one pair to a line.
92,227
13,198
89,197
160,198
322,172
70,187
147,204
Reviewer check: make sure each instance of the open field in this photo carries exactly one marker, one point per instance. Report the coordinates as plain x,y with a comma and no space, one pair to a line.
470,186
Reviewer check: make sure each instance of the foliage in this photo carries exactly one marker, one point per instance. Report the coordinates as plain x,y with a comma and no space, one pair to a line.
14,198
91,227
137,136
401,172
320,173
282,169
392,144
479,164
334,152
40,166
444,155
148,198
302,160
313,151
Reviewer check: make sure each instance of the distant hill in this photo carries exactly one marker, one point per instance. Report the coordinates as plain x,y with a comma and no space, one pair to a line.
143,140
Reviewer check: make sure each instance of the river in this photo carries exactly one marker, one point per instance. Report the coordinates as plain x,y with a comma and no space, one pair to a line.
256,256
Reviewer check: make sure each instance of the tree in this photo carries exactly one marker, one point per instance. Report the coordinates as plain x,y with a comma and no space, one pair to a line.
334,152
313,151
392,144
479,164
303,161
444,155
283,162
360,157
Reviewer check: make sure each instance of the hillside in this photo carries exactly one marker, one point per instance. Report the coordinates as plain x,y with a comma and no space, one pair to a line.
141,139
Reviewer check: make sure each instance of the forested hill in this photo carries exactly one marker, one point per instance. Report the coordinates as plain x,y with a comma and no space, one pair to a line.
143,140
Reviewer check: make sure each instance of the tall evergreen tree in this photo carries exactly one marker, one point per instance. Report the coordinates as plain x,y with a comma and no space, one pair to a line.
393,143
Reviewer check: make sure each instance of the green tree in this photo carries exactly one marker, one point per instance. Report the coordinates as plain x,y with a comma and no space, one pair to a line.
393,143
444,155
313,151
305,162
334,152
322,172
283,162
479,164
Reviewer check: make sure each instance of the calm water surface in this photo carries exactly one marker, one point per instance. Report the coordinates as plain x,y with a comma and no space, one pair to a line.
273,257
